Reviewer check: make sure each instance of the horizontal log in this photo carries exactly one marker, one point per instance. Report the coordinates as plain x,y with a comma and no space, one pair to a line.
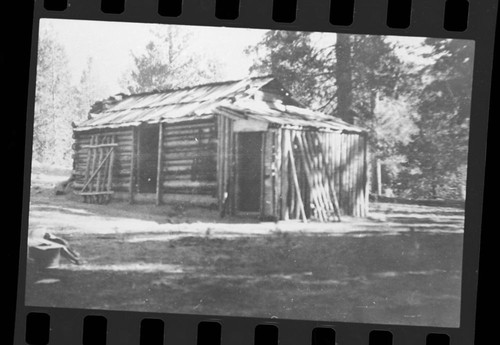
178,162
124,149
202,127
192,151
191,154
189,184
189,136
83,147
191,191
125,144
82,161
124,157
106,131
121,172
81,141
122,188
177,169
117,137
194,199
191,147
123,163
189,144
95,193
208,131
123,175
98,146
190,125
79,164
80,153
184,170
188,178
121,182
79,174
205,131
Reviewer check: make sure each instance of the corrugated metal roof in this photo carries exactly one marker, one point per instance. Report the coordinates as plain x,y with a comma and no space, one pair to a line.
286,115
203,101
172,105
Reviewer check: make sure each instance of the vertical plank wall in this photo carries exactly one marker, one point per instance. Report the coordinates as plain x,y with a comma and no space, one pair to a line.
345,158
348,153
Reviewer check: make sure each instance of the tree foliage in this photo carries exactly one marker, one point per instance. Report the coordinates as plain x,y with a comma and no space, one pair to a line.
54,103
417,117
438,152
87,91
293,59
169,61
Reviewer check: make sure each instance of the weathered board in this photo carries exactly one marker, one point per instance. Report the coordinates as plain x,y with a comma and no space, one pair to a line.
121,161
199,159
189,158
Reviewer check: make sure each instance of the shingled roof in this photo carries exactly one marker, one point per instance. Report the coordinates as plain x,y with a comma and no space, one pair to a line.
236,98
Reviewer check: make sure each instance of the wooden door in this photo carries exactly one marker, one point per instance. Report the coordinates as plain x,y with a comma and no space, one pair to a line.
249,171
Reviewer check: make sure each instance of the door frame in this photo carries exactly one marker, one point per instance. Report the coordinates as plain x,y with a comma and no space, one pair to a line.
140,162
258,212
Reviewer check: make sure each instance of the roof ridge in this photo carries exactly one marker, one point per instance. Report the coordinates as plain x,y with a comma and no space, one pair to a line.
197,85
161,105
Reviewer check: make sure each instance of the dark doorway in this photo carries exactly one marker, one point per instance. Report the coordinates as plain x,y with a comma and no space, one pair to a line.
249,171
148,159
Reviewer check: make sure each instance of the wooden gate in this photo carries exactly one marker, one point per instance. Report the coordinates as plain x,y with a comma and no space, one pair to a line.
99,170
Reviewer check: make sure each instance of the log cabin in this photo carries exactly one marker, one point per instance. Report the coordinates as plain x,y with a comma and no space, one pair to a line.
244,147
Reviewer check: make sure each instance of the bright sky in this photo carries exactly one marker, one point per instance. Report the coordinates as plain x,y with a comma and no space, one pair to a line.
110,45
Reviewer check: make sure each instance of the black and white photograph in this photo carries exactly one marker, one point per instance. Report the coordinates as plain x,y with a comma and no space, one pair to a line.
249,172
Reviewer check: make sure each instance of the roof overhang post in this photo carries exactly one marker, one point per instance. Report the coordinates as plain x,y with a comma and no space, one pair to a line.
366,175
133,164
159,179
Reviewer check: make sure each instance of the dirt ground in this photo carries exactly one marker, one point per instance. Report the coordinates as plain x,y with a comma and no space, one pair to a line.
402,265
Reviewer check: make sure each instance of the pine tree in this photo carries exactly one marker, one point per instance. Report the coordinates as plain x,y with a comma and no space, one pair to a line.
359,79
438,153
298,64
384,104
343,77
169,62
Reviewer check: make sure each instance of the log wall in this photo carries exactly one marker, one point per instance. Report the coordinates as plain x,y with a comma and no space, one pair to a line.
122,157
198,160
189,158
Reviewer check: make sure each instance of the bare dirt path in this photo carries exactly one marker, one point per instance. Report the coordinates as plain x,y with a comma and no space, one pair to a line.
402,265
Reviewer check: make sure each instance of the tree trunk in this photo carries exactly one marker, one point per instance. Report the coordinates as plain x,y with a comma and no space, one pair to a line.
434,190
373,102
344,78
